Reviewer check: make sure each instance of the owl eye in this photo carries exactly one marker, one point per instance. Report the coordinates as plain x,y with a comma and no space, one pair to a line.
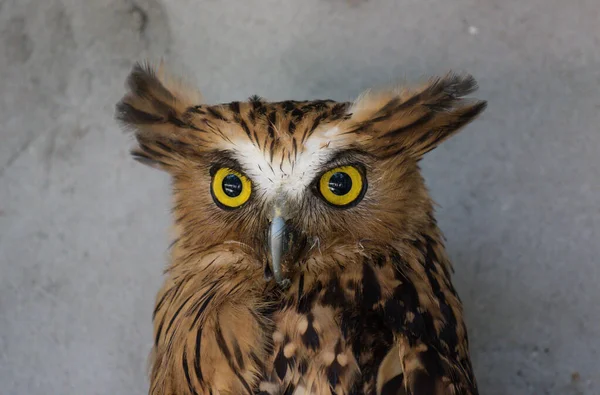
342,186
230,189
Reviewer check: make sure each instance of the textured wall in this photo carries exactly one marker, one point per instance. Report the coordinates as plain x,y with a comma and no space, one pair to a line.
83,229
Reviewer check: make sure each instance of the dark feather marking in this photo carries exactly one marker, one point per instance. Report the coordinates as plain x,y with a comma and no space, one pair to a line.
430,244
300,286
196,109
418,122
394,386
187,372
339,110
256,138
258,362
150,151
216,113
303,367
222,343
143,82
237,286
436,135
394,105
291,127
177,312
288,105
203,307
335,369
416,328
406,292
290,389
309,132
356,390
280,363
126,113
306,302
146,159
448,331
379,260
243,381
208,291
172,118
238,354
164,147
162,300
265,328
338,347
295,148
428,333
182,217
348,323
298,114
422,383
435,285
310,338
197,355
179,287
271,124
159,332
371,290
244,126
390,108
171,247
333,373
271,150
227,354
394,314
235,107
334,294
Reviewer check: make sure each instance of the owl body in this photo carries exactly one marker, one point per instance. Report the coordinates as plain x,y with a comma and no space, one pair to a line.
306,259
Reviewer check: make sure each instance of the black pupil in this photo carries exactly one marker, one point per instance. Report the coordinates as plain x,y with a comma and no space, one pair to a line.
232,185
340,183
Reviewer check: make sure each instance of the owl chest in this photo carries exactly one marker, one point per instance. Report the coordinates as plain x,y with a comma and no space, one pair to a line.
329,336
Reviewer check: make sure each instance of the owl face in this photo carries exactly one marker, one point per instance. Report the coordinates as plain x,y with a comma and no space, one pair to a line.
287,180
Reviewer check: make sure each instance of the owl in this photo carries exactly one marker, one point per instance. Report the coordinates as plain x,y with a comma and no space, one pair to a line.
306,256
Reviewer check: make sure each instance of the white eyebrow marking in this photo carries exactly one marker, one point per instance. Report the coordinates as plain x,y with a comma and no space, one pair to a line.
291,177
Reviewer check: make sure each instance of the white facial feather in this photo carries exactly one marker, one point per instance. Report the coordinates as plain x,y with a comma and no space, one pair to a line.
285,178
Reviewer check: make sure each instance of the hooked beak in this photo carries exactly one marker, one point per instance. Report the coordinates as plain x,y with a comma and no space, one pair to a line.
277,246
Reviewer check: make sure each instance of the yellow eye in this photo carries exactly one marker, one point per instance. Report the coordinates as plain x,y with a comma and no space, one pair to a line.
230,189
342,186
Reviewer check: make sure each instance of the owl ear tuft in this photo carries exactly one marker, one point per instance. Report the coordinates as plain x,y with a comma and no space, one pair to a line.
414,121
156,108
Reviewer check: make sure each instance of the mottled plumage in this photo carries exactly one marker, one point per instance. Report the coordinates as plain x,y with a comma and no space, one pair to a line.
362,300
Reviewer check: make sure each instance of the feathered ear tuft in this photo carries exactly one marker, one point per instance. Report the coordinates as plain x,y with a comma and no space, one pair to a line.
156,108
414,121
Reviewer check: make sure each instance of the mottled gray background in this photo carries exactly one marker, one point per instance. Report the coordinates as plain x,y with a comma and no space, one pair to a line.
83,228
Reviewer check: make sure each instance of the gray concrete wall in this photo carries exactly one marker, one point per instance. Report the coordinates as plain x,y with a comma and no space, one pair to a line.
83,229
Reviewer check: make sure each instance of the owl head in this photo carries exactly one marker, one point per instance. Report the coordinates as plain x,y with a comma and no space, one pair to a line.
287,181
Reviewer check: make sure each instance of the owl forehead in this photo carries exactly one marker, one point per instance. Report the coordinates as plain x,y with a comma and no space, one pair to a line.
285,170
280,146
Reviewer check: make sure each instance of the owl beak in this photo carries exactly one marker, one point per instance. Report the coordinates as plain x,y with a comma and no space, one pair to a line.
277,246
